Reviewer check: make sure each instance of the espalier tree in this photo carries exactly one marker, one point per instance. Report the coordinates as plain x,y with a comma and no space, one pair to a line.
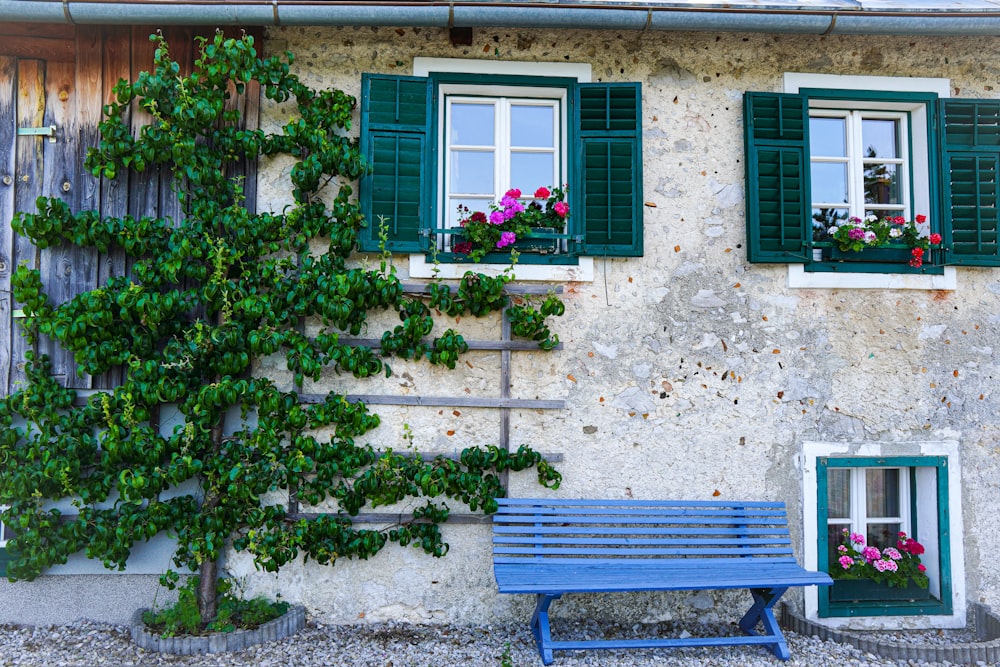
207,298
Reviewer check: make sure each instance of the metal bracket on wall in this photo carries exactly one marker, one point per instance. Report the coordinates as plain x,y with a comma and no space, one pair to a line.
48,131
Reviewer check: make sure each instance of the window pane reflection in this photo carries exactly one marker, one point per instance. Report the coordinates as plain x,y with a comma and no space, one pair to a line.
882,184
532,126
472,172
529,171
839,493
880,137
882,490
883,535
829,182
828,137
471,124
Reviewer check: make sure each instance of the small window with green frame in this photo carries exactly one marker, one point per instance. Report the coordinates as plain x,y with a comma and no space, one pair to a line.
876,499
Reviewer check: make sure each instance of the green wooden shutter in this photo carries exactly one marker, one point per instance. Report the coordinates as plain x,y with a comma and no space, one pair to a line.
608,168
776,128
395,136
4,559
971,165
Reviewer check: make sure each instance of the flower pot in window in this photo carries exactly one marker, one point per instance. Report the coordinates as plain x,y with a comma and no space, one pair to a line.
866,590
534,244
888,253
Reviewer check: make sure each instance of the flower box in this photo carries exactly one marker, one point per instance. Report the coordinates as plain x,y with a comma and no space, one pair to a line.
866,590
888,253
528,244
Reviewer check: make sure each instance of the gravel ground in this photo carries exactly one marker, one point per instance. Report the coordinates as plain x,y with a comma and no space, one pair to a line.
403,645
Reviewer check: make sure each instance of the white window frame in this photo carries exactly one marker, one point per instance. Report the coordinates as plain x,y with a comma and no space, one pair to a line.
858,521
855,159
502,99
419,265
812,451
798,277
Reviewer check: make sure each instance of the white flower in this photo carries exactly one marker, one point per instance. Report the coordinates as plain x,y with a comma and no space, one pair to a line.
895,232
870,236
871,218
832,230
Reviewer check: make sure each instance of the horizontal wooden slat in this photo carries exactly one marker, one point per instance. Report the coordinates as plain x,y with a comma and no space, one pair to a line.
740,552
633,541
561,502
503,530
615,575
555,518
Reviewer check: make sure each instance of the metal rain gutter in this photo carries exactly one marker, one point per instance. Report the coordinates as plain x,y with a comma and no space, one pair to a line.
854,17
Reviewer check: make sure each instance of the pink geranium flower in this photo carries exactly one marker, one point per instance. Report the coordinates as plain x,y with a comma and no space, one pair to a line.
562,208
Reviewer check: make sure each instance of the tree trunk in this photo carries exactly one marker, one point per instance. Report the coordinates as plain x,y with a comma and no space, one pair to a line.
208,570
208,605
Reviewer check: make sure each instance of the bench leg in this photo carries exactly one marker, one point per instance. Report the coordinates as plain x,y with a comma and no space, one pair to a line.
540,626
762,611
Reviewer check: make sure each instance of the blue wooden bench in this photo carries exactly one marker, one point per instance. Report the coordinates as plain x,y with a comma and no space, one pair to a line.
552,547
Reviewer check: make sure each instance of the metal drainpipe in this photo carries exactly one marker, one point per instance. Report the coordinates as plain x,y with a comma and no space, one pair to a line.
809,18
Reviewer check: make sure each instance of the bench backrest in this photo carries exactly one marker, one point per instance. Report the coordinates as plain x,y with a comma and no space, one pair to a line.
526,529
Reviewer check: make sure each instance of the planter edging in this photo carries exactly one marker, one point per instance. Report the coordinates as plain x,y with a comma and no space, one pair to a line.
286,625
986,649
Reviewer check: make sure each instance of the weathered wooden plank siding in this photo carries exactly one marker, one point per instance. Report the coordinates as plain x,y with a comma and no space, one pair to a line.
67,270
64,77
8,136
28,178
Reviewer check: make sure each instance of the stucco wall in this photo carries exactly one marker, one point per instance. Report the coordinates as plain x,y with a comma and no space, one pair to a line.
687,373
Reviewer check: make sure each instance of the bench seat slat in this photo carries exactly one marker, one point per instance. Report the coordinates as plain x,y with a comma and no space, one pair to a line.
644,519
643,551
577,502
636,541
623,576
641,511
550,529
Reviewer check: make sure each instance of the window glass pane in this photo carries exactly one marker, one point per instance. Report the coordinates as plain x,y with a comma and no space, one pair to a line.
471,124
880,138
882,184
471,172
828,217
834,535
532,126
882,491
530,171
838,494
829,182
828,137
883,535
472,203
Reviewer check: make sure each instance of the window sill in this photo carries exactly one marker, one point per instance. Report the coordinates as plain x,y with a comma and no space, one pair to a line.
582,271
799,278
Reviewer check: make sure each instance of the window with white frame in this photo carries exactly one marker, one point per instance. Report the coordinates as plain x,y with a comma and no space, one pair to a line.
873,502
498,139
876,491
465,132
832,147
860,165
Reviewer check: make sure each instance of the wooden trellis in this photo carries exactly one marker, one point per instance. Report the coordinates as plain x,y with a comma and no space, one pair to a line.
503,403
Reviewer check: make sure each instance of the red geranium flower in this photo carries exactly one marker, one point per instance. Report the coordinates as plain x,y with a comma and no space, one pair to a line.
542,193
921,218
935,239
